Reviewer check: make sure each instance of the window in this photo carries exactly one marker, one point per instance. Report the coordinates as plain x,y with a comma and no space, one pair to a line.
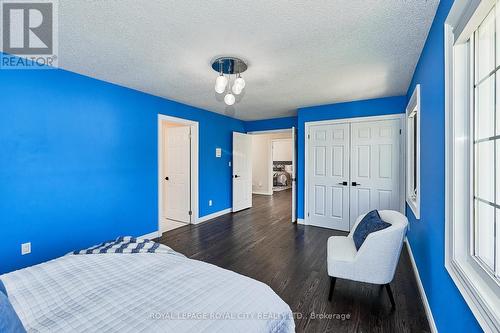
413,152
485,145
472,58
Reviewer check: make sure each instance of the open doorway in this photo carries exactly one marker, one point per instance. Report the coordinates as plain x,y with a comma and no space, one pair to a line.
273,166
281,153
177,172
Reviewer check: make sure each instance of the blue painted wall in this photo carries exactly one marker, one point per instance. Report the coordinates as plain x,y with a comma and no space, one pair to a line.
271,124
426,235
364,108
78,162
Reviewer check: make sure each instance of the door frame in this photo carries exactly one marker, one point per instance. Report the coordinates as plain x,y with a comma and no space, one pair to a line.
402,147
282,130
194,166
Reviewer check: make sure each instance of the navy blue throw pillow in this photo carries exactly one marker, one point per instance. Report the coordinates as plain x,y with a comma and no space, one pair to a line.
370,223
9,321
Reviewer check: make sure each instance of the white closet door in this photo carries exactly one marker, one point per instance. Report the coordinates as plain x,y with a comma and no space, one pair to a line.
242,171
328,162
178,174
375,166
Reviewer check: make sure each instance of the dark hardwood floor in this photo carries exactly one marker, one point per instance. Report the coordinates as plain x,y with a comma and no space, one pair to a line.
262,243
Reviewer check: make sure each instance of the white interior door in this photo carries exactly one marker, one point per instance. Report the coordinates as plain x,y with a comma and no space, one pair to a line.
177,180
294,186
242,171
375,166
328,161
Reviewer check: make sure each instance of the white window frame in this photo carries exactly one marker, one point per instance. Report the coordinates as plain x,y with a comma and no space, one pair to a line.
413,192
479,289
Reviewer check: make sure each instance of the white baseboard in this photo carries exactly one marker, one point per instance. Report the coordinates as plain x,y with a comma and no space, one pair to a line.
262,193
428,311
214,215
301,221
151,235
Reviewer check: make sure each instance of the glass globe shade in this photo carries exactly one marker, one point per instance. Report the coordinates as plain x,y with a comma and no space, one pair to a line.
220,84
237,89
229,99
240,82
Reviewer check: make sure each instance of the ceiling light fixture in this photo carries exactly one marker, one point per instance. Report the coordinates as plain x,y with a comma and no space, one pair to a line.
227,66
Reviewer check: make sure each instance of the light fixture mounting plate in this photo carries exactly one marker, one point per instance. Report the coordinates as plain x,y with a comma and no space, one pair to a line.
229,65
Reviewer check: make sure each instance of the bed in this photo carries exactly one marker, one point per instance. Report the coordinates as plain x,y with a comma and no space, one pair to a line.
282,174
130,285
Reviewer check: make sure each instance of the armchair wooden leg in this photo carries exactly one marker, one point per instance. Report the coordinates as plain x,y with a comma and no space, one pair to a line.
391,297
332,286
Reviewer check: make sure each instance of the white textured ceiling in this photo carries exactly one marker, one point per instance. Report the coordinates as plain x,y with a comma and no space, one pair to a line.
300,53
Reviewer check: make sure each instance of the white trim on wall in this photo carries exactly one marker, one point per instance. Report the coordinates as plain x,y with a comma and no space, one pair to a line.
214,215
428,311
194,165
402,180
284,130
151,235
354,119
262,192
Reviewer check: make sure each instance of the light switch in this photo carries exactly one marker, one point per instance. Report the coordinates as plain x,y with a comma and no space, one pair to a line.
25,248
218,152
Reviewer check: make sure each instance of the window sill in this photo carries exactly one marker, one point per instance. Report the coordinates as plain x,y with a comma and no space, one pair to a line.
414,206
482,301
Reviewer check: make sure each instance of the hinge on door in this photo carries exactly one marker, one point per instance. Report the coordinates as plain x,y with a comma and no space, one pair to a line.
190,213
400,131
307,214
308,136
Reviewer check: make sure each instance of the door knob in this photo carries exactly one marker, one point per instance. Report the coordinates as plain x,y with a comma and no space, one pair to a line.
343,183
355,184
236,176
166,178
